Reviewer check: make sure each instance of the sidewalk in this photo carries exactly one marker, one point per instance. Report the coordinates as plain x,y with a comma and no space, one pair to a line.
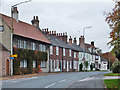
111,77
25,76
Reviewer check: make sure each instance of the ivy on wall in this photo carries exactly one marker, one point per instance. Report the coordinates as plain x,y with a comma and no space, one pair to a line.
29,55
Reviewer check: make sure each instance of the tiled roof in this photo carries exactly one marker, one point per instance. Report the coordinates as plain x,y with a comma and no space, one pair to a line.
26,30
77,48
57,42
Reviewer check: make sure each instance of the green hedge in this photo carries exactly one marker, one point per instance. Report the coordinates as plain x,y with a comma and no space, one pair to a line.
29,55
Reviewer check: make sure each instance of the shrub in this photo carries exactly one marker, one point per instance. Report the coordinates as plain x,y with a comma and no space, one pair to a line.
91,67
116,67
86,64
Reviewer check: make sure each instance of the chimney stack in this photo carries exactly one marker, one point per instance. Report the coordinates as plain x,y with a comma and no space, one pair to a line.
75,41
92,43
15,13
70,40
81,41
35,22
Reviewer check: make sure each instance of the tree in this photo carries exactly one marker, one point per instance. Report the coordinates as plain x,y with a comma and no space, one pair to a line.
86,64
113,20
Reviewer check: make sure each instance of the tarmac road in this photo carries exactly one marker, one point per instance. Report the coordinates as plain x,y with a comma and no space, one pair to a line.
62,80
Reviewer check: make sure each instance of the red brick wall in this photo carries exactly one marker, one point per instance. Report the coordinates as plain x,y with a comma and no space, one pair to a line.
4,56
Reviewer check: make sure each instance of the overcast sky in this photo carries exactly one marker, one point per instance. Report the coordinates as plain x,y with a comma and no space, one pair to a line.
68,16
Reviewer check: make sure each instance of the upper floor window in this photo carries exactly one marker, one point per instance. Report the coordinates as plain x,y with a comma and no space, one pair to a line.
18,43
25,45
33,46
63,51
70,52
57,50
43,48
51,49
21,44
40,47
1,28
74,54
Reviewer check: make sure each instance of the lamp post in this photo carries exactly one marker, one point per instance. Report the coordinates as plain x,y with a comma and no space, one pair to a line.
12,31
84,42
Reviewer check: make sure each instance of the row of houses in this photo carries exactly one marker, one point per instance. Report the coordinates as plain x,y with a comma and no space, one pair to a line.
42,50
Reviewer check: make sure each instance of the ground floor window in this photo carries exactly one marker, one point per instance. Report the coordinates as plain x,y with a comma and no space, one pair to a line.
43,64
57,64
70,64
64,64
34,64
75,64
23,64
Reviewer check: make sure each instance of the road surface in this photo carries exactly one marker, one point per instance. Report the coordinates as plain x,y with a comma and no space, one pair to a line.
62,80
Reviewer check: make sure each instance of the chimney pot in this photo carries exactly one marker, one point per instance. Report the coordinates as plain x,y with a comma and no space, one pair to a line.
36,17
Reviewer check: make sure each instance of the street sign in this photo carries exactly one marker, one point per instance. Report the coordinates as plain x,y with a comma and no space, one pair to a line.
11,57
83,59
14,55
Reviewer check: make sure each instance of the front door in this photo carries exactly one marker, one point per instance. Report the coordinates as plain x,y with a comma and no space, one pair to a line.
7,67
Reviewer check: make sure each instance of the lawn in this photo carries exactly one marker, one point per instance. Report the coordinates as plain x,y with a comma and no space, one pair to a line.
112,74
112,83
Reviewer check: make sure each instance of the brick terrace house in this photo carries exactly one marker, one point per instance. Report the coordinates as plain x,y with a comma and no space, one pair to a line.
31,45
4,48
60,52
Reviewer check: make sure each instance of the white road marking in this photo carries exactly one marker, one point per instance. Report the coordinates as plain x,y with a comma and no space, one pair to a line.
50,85
62,80
86,79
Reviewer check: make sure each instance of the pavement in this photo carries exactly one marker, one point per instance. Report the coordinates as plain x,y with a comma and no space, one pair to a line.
61,80
25,76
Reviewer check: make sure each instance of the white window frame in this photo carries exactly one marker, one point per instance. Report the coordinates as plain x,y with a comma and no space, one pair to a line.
63,51
70,54
74,54
51,49
1,28
23,64
57,64
43,48
34,64
25,45
18,43
43,64
34,46
70,64
57,50
64,64
40,47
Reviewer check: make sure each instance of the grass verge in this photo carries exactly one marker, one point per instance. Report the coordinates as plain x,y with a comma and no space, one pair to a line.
112,74
112,83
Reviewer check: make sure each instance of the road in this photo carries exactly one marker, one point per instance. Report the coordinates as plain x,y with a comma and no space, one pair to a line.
62,80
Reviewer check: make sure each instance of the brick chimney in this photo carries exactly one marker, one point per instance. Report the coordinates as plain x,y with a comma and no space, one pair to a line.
35,21
62,36
92,43
75,41
70,40
15,13
81,41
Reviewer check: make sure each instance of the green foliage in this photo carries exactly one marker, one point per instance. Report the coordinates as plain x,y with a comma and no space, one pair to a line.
112,83
91,67
86,64
116,67
29,55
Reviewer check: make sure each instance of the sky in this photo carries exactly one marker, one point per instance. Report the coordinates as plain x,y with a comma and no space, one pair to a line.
69,16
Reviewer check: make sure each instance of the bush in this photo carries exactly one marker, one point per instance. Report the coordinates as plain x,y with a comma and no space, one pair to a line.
91,67
116,67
